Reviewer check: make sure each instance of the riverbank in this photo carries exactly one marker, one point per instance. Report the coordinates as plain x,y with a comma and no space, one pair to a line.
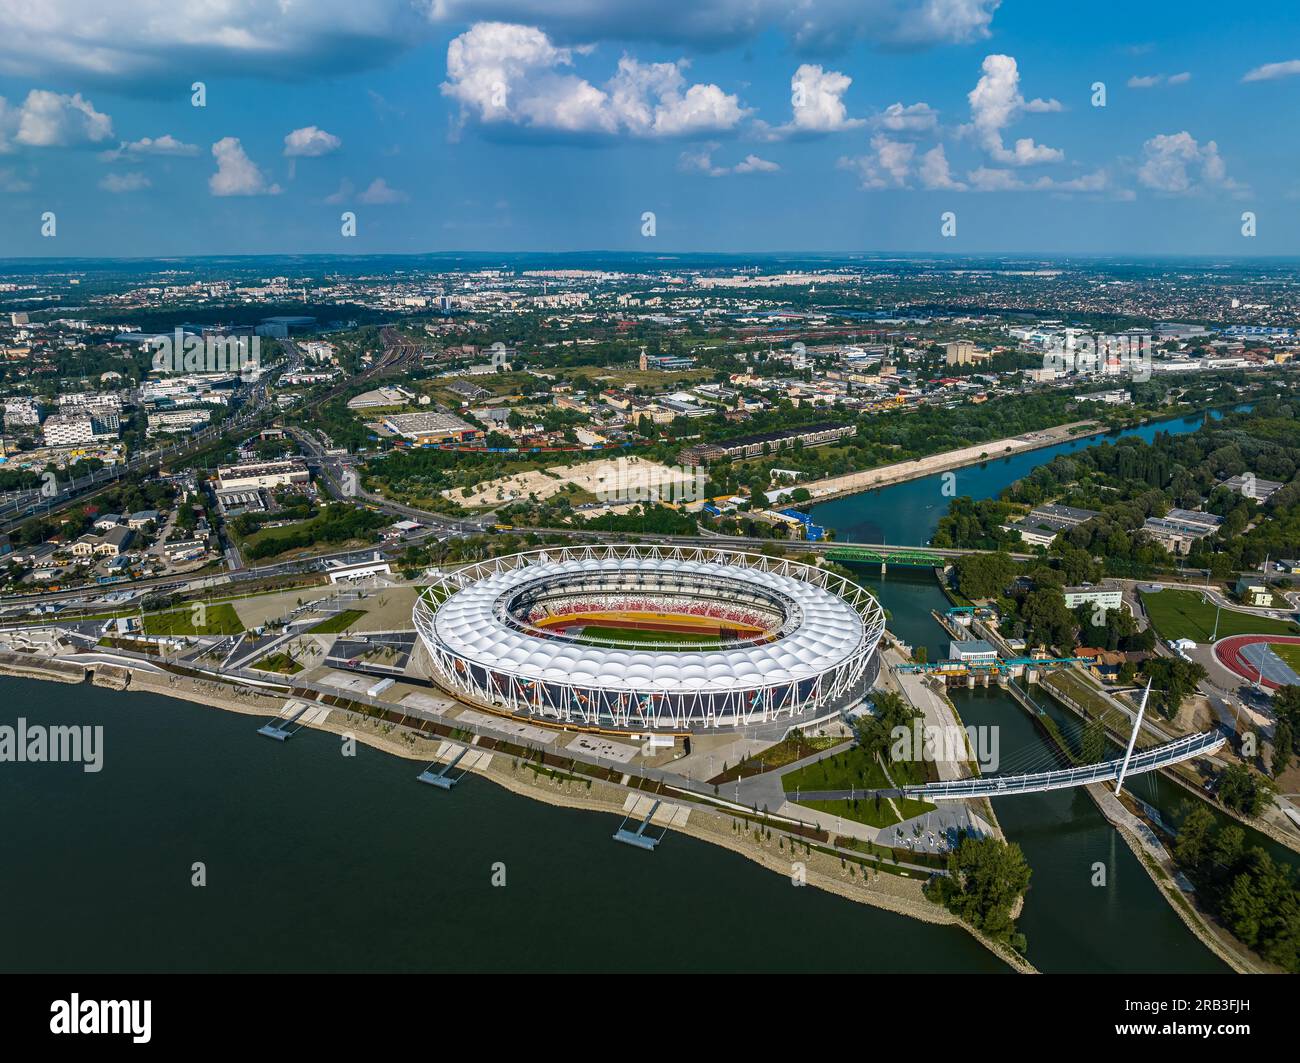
789,856
900,472
1165,874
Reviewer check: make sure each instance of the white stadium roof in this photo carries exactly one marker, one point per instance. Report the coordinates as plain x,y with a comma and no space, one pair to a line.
468,624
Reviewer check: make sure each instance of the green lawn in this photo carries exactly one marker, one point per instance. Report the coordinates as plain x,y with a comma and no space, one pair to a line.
599,636
279,662
218,620
1187,615
1290,654
854,769
336,624
787,751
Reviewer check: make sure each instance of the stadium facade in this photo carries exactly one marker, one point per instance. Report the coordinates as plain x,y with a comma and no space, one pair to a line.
638,638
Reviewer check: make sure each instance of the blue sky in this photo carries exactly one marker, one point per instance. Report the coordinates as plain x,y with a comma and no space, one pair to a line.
743,125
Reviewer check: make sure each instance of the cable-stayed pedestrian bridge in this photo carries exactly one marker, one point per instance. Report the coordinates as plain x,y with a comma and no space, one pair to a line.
1152,759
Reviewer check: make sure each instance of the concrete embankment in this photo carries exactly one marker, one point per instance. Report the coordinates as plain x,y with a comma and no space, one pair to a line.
1164,872
18,664
902,471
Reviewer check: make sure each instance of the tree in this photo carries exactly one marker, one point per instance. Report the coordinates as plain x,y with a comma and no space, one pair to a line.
1245,791
986,876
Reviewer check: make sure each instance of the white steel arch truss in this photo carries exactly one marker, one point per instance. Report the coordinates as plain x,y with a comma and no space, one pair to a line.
828,659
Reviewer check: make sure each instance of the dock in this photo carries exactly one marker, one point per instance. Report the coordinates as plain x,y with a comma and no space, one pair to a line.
647,811
441,772
290,721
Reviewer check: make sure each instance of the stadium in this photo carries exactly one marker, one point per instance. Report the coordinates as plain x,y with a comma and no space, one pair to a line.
641,638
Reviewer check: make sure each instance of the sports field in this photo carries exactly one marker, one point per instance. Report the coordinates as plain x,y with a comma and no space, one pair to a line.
606,636
1188,615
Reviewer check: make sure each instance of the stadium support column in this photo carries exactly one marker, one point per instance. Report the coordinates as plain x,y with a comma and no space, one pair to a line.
1132,739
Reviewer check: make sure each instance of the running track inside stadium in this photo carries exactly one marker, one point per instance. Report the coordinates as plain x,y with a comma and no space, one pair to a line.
1229,653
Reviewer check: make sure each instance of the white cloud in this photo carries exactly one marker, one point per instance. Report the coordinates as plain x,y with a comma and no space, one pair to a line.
1273,71
935,173
52,120
151,38
512,74
1150,81
995,102
753,164
888,166
1177,164
913,118
177,38
817,101
826,27
237,174
700,161
378,193
163,145
343,194
310,142
166,144
993,179
12,183
124,182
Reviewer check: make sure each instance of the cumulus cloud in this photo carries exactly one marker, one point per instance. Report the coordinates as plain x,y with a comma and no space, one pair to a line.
914,118
124,182
164,145
1177,164
310,142
504,73
995,102
1272,71
817,102
379,194
52,120
700,161
935,173
237,174
888,166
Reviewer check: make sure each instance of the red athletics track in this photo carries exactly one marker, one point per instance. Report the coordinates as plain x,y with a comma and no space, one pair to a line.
1228,653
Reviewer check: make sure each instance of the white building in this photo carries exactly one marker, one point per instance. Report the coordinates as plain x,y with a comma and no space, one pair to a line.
70,430
361,570
1105,597
261,474
177,420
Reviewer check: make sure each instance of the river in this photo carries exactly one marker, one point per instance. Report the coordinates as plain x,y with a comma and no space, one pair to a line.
907,514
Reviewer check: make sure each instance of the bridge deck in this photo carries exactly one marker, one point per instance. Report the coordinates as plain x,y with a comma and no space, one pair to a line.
1152,759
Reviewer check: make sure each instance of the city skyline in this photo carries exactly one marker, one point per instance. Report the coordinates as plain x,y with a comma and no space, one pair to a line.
496,127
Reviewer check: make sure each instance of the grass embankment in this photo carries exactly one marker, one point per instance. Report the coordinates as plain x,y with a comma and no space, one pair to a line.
854,769
213,620
1188,615
335,624
787,751
279,662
